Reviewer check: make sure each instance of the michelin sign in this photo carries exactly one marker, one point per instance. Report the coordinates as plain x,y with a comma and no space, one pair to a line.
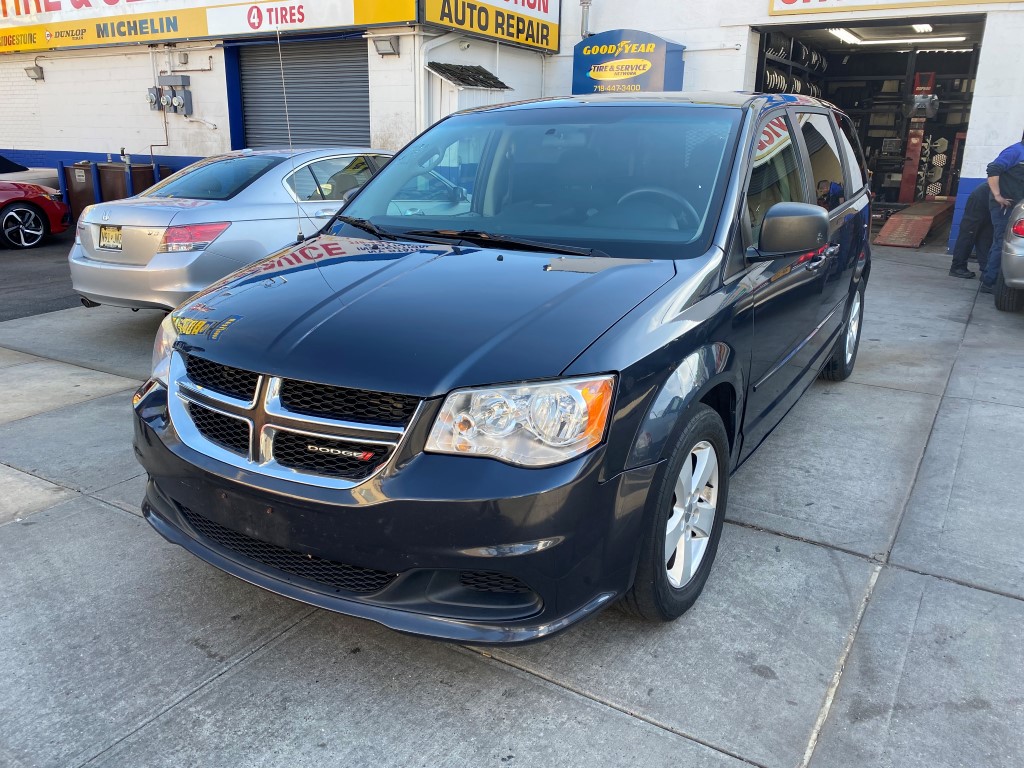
624,60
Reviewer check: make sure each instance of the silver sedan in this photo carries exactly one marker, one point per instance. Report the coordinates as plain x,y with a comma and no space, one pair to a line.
157,249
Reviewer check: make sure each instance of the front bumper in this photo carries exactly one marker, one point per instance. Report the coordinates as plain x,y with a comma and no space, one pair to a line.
169,279
567,537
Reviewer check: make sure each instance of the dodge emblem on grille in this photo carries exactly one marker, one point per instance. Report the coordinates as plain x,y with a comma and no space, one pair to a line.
361,455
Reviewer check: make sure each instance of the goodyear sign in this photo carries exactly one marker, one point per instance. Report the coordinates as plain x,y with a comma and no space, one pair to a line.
530,23
36,25
627,60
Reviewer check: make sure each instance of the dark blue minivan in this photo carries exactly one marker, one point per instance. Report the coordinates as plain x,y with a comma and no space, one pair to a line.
506,386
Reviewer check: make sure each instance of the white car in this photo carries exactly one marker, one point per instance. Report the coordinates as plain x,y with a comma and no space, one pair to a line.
12,171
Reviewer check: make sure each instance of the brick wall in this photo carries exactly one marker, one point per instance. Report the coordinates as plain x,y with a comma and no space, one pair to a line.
94,102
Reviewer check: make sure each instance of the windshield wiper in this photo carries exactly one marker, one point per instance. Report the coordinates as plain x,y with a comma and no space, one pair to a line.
487,238
364,224
383,234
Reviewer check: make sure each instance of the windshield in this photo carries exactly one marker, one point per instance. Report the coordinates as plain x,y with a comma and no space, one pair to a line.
219,179
631,181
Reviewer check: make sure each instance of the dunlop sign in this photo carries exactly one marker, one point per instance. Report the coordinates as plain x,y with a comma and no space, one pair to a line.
626,60
530,23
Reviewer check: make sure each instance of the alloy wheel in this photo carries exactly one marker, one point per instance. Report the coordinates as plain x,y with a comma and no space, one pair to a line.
692,520
853,328
23,227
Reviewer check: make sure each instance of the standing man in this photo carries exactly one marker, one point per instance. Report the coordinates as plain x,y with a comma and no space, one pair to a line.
1006,181
975,233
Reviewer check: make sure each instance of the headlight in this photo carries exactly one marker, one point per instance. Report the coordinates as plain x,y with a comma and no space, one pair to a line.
162,347
530,425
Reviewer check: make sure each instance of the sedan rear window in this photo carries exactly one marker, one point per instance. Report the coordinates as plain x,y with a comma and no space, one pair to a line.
219,179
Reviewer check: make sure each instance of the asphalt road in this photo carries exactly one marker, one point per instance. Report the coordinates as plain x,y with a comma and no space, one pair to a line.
36,280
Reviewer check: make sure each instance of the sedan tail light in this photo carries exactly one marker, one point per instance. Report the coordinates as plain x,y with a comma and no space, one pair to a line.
1018,228
191,237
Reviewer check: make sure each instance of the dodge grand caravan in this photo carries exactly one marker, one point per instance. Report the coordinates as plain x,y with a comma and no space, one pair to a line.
507,385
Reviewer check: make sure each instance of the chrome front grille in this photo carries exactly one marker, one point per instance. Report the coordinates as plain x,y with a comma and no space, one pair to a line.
241,418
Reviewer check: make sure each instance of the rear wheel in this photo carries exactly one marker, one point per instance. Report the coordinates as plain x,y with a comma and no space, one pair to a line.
681,541
1007,299
22,226
844,356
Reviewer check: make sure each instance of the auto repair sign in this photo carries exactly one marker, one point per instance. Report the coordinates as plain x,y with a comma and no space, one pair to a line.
529,23
624,60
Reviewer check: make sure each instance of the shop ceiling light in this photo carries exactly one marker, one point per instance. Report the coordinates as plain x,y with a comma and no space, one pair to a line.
922,28
846,36
386,45
915,41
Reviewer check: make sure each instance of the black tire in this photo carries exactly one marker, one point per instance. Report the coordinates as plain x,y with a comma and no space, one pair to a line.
13,236
840,365
1007,299
652,596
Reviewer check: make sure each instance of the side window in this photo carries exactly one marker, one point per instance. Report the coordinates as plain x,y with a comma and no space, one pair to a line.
304,185
826,167
775,176
337,175
851,149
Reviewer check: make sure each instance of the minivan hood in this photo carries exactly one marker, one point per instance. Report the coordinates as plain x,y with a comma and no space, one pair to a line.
413,318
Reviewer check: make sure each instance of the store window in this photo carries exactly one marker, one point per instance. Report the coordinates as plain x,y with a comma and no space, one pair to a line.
826,167
851,149
775,177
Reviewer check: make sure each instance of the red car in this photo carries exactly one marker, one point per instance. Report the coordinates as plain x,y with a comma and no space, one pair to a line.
30,212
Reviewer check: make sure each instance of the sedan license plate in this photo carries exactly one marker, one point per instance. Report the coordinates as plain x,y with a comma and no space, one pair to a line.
110,238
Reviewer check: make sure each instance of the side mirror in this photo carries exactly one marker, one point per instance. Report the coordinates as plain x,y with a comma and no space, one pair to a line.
790,228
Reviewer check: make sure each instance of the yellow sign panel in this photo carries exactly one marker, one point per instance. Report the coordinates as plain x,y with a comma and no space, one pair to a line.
136,28
532,23
77,23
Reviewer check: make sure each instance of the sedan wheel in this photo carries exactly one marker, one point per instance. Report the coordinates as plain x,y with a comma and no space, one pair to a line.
681,541
21,226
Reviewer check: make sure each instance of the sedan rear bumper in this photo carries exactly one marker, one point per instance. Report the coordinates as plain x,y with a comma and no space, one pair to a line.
169,279
420,549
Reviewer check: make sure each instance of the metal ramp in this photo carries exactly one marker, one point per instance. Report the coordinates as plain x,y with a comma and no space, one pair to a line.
909,228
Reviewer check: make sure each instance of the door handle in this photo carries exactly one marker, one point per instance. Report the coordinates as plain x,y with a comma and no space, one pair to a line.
817,262
325,212
832,250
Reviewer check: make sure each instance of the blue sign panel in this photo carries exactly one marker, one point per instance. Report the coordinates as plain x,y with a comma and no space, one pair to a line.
626,60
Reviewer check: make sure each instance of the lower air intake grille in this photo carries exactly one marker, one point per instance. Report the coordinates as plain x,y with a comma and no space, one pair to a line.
226,431
488,581
345,459
339,576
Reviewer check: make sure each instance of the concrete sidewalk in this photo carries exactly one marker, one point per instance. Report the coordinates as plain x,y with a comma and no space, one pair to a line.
866,609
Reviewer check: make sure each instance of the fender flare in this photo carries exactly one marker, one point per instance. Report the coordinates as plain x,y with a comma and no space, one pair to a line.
700,371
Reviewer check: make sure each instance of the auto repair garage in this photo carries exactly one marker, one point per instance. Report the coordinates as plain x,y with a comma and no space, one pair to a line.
907,85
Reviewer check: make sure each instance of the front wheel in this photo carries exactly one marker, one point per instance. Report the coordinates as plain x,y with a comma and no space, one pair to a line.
681,540
844,355
21,226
